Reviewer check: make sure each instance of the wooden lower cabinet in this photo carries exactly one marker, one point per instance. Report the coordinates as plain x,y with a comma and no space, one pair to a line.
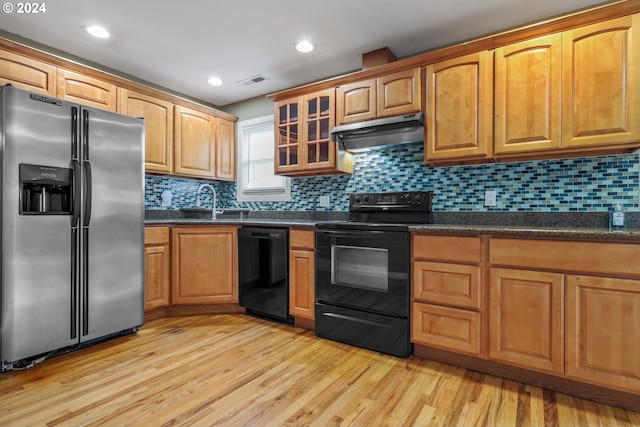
603,331
302,273
301,288
446,293
560,313
156,267
526,319
204,265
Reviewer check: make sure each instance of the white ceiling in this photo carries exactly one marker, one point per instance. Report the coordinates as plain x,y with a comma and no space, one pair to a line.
180,44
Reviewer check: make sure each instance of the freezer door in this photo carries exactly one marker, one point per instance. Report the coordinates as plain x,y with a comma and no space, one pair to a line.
37,264
113,223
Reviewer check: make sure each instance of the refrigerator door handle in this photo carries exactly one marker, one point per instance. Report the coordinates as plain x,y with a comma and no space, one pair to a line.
74,282
74,133
85,282
87,193
85,134
76,193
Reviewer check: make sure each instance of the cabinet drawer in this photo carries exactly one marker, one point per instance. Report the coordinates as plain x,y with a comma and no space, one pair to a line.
156,235
449,284
592,257
302,239
447,248
444,327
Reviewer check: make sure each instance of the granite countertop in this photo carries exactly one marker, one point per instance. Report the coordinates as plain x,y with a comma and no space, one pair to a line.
553,225
242,217
527,231
284,223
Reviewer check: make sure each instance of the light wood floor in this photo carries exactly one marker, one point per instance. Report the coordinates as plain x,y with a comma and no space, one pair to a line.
234,370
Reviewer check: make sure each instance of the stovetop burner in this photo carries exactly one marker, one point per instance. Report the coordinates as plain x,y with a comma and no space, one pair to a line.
393,211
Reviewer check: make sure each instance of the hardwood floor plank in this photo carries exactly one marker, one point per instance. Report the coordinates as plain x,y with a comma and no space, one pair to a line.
536,407
235,370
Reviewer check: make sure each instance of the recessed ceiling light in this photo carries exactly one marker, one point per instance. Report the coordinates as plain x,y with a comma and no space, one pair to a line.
304,46
98,31
214,81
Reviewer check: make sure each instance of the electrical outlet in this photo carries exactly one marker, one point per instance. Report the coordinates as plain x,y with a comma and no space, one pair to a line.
490,198
324,201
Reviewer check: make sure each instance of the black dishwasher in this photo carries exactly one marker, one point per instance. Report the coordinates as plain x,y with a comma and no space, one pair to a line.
263,272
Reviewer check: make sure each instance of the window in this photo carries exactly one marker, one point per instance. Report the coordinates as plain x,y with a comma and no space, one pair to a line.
256,180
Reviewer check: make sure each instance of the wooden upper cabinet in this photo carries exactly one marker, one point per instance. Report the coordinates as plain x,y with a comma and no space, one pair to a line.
178,140
601,79
26,73
528,95
158,127
288,134
319,117
86,90
303,136
399,93
194,140
357,101
459,108
226,150
390,95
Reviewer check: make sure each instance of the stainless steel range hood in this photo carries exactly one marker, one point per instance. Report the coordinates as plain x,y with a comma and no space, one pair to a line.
380,133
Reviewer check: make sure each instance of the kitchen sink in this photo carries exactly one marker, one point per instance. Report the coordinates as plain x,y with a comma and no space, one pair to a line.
195,213
205,213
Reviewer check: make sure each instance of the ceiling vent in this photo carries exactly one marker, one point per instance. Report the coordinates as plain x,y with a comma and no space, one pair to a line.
252,80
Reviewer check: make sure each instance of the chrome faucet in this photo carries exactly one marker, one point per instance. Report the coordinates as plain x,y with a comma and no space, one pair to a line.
214,210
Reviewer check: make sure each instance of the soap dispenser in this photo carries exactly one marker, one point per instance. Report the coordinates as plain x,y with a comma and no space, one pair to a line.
617,220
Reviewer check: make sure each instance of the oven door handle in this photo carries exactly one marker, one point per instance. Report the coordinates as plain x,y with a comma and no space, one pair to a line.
364,234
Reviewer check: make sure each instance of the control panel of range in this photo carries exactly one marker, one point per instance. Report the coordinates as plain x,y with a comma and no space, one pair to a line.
414,200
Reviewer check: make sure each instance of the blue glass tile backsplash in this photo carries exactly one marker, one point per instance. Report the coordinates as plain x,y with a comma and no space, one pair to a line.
581,184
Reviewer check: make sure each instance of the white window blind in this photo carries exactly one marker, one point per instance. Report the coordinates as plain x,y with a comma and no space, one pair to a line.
256,180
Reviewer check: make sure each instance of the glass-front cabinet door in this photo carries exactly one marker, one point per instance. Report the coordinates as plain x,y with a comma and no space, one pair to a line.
303,136
288,136
320,151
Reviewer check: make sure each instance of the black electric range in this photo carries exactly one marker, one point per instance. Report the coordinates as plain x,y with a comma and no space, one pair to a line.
363,271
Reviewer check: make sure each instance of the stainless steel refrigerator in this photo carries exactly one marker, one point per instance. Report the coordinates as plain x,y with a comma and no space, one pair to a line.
72,225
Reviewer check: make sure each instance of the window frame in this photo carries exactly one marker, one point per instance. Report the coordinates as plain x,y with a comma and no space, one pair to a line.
243,194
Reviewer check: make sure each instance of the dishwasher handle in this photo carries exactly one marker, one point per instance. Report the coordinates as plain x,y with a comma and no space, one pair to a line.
263,233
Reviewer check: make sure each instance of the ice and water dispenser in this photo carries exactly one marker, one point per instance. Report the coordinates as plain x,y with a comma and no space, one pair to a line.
45,190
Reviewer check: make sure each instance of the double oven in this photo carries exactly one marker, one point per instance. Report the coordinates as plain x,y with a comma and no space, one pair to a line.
363,271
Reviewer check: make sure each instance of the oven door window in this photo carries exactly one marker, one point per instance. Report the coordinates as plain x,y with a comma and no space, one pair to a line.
363,270
358,267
